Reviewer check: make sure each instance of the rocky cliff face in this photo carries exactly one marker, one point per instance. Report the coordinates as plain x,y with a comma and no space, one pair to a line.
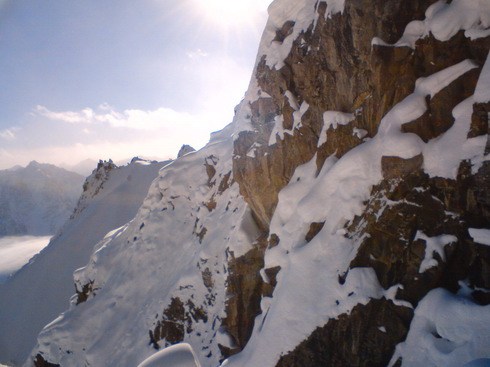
364,62
346,214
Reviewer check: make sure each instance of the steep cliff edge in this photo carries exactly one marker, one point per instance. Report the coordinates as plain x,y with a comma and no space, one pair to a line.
375,116
342,219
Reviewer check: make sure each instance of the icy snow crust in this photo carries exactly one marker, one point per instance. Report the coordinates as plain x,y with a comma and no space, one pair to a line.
480,235
299,111
159,255
333,119
433,244
39,291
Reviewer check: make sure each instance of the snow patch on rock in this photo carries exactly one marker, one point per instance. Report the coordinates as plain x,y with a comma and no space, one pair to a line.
447,330
443,20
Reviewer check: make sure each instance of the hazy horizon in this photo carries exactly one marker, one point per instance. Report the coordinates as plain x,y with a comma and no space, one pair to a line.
115,80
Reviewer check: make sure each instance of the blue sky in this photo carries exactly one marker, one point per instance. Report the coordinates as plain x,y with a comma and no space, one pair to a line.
114,79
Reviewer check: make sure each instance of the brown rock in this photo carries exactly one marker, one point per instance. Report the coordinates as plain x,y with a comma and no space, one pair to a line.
39,361
479,120
365,337
398,167
244,290
333,67
315,228
85,292
176,321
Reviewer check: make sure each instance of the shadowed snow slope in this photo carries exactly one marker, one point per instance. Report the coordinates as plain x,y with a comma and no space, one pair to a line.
41,289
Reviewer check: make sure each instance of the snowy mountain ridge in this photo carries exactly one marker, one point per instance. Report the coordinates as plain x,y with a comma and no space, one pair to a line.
342,219
184,249
39,291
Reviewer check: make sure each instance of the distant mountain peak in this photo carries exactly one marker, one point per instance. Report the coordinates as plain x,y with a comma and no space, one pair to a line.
37,199
33,163
185,149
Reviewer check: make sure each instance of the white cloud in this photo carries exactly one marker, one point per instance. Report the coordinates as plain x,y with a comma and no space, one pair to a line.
9,134
196,54
156,145
131,118
103,132
84,116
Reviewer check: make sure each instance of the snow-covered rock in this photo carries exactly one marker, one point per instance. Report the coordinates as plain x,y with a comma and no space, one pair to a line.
447,330
185,149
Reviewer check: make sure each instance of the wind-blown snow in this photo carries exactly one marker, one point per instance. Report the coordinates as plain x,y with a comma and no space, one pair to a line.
37,293
299,111
447,330
302,12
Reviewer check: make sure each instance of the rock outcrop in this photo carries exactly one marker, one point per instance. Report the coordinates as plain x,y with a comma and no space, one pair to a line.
185,149
338,63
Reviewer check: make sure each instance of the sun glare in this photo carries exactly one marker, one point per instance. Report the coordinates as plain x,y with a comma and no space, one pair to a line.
230,12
